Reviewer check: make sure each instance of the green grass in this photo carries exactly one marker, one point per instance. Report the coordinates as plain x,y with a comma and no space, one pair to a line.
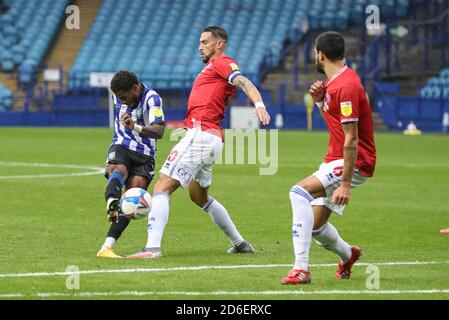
48,224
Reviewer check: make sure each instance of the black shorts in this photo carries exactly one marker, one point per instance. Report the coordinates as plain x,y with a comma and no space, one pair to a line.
136,163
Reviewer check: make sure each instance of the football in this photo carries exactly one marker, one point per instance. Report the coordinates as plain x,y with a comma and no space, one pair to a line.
135,203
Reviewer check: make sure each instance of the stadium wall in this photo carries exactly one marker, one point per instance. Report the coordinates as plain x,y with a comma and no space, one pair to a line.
94,118
426,113
294,117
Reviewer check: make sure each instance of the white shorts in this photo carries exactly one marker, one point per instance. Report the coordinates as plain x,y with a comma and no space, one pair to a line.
193,157
330,175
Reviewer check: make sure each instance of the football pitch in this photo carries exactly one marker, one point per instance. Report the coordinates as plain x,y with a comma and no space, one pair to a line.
53,222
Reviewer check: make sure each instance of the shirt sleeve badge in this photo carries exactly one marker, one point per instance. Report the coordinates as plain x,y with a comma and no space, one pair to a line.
234,66
346,108
158,112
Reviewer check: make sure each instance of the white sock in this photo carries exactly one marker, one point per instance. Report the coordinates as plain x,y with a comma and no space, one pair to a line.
221,217
157,219
109,242
302,226
327,237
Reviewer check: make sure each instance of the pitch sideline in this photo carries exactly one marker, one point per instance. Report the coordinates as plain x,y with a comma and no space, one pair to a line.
91,170
197,268
221,293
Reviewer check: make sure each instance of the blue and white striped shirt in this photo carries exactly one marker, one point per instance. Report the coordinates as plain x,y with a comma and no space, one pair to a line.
149,111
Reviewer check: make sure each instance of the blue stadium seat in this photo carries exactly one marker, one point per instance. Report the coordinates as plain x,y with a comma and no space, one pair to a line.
27,73
7,65
30,28
167,33
181,15
6,99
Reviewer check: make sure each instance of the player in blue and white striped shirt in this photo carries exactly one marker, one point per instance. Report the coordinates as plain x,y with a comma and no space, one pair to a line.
148,111
139,122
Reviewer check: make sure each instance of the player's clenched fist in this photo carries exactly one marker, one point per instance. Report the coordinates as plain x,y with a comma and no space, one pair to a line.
317,91
127,121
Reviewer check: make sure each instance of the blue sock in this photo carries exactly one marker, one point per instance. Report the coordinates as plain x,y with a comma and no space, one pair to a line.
115,186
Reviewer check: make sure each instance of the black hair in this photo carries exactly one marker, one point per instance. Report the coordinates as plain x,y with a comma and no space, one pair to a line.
123,81
217,32
332,44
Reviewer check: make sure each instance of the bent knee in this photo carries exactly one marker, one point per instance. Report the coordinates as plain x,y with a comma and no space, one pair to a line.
120,168
166,184
199,200
318,225
137,182
300,191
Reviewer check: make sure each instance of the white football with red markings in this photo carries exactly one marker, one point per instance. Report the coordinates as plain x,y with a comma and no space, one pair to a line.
135,203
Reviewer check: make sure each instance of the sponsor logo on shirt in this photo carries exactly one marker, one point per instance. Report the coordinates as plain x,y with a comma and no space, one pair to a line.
346,108
136,114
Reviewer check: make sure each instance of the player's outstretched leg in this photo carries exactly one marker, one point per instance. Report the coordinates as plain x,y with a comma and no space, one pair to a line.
112,194
445,231
221,218
302,235
114,233
328,237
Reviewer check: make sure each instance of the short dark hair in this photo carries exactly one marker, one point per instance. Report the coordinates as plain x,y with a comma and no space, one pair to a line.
332,44
123,81
217,32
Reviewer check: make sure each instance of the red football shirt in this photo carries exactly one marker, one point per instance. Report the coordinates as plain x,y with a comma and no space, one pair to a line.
211,92
346,101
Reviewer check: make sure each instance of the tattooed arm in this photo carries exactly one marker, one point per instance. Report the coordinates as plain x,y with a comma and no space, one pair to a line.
254,95
342,193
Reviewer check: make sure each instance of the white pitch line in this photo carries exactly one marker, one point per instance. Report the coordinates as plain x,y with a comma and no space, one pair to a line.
221,293
47,165
56,175
92,170
197,268
386,165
